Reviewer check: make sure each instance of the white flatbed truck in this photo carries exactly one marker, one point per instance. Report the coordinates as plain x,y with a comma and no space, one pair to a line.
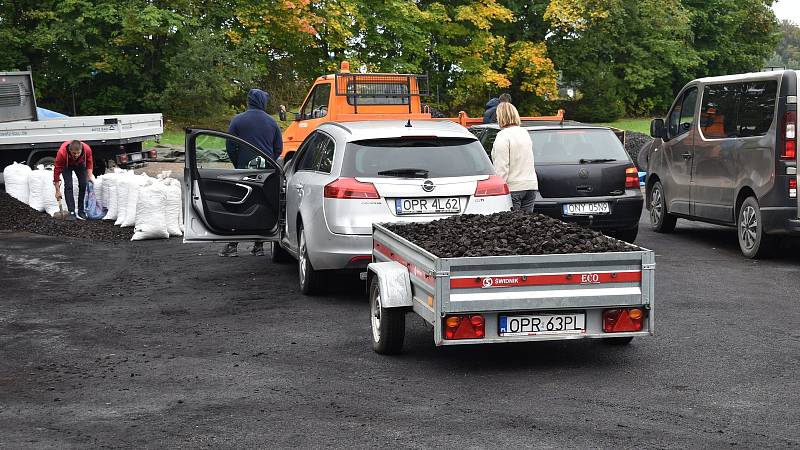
24,138
501,299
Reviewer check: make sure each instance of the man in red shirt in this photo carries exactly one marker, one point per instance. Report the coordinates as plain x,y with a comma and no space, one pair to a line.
73,157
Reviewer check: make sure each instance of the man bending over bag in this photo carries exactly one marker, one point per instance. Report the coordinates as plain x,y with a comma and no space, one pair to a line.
73,157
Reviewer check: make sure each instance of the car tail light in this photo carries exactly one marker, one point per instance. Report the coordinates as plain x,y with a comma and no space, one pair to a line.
631,177
152,154
350,188
491,186
789,135
792,187
122,159
623,319
464,327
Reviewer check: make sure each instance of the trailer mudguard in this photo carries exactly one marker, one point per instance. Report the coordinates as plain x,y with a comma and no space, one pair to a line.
394,283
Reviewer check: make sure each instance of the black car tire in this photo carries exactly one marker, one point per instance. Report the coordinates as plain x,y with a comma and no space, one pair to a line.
627,235
661,221
753,242
279,255
309,278
388,324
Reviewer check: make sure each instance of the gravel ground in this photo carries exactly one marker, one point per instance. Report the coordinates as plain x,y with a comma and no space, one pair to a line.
504,234
19,217
634,142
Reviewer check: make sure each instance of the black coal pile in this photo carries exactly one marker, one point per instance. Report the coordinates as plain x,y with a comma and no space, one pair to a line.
505,234
634,142
19,217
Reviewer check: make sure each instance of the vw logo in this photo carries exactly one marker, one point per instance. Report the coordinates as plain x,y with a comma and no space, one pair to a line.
428,186
583,173
487,282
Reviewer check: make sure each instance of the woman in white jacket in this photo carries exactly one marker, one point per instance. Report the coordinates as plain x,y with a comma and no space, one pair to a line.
512,155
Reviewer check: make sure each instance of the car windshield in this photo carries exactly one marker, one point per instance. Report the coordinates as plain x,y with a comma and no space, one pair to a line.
570,146
410,157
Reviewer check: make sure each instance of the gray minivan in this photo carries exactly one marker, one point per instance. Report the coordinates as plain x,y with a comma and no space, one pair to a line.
727,154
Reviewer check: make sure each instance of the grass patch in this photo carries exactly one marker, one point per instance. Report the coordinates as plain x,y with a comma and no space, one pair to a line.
174,132
640,125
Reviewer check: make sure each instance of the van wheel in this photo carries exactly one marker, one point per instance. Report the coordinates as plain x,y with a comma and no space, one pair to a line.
309,278
388,324
752,240
279,255
660,220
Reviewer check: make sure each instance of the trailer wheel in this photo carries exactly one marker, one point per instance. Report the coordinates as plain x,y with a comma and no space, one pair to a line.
618,340
388,324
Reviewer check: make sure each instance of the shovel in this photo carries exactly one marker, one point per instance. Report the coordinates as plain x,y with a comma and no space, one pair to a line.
61,214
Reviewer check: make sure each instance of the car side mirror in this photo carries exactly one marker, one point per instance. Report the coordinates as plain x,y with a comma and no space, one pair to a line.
289,157
657,129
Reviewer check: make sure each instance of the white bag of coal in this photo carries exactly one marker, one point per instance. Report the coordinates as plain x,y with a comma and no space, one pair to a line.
111,187
16,177
151,214
134,186
123,189
172,188
35,187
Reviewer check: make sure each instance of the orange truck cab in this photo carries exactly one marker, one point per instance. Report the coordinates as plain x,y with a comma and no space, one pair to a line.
347,97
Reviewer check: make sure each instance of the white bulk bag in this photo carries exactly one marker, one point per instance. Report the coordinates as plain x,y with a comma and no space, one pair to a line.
111,187
172,188
49,202
98,189
134,186
123,188
151,212
35,199
16,177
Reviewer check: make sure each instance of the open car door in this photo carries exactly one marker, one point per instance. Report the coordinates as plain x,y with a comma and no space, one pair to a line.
232,191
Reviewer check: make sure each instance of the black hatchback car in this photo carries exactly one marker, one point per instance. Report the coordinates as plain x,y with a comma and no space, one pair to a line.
585,175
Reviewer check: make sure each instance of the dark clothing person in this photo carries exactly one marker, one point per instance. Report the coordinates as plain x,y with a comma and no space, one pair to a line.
490,115
73,157
523,200
256,127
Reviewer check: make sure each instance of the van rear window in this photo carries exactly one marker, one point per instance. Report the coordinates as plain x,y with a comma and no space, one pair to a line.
733,110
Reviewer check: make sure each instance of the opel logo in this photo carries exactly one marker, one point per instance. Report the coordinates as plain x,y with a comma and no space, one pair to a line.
428,186
583,173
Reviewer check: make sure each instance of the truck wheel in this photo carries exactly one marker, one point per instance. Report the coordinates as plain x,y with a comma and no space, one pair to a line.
660,220
279,255
753,242
309,278
46,161
388,324
618,340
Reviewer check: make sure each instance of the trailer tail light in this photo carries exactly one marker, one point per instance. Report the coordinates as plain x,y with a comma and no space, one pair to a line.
152,154
491,186
464,327
623,319
122,159
789,135
350,188
631,177
792,187
360,259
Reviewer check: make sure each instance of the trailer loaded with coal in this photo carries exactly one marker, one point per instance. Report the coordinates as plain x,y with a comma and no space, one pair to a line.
507,277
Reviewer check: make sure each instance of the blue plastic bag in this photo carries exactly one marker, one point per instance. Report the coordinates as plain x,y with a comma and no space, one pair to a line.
94,210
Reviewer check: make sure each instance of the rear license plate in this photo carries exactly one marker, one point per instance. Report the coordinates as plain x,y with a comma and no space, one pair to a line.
539,324
433,205
585,209
136,156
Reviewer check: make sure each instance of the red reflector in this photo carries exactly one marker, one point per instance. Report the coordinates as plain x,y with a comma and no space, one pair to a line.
361,258
631,177
122,158
350,188
792,183
464,327
621,320
153,154
790,150
491,186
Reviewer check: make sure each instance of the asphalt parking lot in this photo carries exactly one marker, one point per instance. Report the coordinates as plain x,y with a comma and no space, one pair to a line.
160,344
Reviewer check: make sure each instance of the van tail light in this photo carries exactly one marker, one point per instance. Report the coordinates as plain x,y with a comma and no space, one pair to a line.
491,186
350,188
789,135
623,319
793,187
631,177
464,327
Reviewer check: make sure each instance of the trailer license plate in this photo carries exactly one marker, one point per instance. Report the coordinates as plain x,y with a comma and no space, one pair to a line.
585,209
534,325
136,156
431,205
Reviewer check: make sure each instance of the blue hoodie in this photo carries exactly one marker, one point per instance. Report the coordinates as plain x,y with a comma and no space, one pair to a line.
490,115
256,127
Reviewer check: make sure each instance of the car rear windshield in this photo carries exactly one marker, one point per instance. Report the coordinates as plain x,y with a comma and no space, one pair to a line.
439,157
573,145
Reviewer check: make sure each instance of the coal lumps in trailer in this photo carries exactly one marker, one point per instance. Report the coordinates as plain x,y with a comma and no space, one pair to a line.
506,234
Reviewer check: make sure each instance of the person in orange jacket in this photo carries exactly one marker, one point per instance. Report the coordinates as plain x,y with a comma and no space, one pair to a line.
73,157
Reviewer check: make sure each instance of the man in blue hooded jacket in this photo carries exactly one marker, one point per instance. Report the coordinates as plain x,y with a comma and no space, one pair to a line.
258,128
490,115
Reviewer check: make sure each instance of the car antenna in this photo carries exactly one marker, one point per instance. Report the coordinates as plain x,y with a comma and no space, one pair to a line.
408,125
